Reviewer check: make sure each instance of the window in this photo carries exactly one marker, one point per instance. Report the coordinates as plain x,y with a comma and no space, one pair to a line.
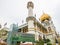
49,28
19,30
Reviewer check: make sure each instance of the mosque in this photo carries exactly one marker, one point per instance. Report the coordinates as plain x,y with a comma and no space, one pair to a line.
33,30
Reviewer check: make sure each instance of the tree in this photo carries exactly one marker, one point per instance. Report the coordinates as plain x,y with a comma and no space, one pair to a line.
49,44
41,42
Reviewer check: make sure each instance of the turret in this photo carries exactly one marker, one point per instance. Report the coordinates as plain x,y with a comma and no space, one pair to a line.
30,7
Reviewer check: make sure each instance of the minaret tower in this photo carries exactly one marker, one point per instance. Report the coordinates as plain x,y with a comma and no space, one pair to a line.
30,19
30,7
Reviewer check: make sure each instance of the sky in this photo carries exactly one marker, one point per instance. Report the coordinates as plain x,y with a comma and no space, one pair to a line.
14,11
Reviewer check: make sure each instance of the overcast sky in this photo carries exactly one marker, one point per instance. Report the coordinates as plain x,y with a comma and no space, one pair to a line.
14,11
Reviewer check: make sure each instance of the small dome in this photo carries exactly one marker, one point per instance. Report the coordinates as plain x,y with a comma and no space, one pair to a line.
45,17
30,4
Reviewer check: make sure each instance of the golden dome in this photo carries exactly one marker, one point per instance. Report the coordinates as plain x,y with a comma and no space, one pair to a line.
44,17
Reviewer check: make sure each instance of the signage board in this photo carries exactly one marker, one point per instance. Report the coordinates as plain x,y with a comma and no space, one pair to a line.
24,37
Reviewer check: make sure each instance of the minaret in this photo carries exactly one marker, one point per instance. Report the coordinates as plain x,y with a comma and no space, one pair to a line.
30,19
30,7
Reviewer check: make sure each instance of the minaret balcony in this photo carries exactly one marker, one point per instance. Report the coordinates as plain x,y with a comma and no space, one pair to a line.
30,18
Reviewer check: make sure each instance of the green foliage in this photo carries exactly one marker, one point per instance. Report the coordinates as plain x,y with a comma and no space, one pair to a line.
41,42
47,40
49,44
